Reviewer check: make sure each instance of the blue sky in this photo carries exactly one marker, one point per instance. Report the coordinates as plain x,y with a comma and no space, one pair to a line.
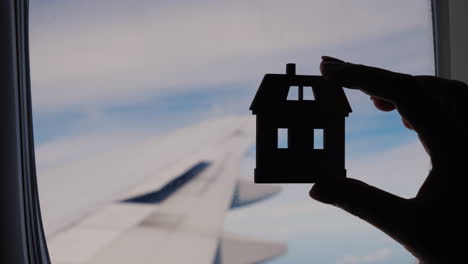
130,69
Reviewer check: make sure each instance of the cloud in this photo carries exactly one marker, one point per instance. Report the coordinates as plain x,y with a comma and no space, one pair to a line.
67,150
400,170
97,53
374,257
90,58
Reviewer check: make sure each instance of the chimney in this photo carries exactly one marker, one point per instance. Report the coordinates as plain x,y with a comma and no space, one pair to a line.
290,69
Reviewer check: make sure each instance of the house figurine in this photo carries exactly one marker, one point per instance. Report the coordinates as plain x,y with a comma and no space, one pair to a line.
300,128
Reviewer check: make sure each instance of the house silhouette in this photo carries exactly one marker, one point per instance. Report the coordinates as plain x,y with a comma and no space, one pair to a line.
300,128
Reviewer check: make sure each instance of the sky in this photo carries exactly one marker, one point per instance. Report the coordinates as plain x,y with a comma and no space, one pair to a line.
109,74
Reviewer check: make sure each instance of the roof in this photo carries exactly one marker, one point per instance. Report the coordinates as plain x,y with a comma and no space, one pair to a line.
273,91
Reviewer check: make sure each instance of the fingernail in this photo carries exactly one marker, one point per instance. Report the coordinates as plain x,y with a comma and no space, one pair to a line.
406,123
328,58
315,193
330,67
322,193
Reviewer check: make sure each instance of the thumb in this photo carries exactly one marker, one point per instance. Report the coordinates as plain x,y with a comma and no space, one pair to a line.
384,210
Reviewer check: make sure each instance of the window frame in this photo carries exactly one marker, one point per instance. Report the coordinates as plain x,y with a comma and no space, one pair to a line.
22,230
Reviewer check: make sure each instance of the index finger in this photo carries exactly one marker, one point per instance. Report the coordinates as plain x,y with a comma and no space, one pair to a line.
392,86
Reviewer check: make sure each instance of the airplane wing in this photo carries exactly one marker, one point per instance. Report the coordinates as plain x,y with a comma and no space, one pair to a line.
176,215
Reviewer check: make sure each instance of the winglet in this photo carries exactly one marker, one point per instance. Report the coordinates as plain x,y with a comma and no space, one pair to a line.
247,193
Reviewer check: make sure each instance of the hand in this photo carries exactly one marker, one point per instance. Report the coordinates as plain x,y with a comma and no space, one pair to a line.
432,224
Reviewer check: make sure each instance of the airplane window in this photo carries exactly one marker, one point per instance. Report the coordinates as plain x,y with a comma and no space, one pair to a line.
145,144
